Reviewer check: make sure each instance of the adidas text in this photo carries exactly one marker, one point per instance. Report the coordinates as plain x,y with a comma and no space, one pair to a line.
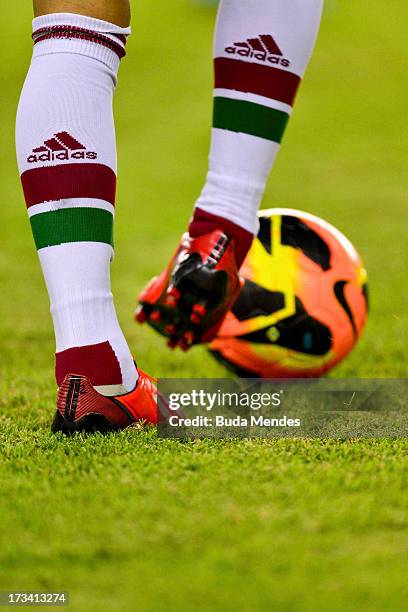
50,156
259,55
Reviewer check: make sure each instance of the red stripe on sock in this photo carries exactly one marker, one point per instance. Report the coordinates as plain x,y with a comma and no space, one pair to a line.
70,32
258,79
50,183
121,37
97,361
204,223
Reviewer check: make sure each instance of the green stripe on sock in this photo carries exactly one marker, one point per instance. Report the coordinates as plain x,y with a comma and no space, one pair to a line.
249,118
72,225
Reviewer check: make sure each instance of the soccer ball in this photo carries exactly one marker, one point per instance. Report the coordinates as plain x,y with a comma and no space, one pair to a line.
304,302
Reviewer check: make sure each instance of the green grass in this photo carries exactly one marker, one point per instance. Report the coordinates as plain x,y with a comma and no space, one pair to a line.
134,522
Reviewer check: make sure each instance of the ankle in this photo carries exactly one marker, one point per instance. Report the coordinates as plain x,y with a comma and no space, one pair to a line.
110,372
204,223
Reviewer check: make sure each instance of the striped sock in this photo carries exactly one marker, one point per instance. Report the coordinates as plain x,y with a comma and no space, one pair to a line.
66,152
262,49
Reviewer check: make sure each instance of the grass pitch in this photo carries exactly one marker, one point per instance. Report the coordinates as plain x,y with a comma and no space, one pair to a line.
133,522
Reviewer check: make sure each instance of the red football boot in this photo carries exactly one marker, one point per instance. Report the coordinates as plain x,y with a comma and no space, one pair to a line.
190,299
81,408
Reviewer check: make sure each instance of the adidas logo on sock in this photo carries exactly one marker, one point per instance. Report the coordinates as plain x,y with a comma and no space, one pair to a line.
263,48
62,146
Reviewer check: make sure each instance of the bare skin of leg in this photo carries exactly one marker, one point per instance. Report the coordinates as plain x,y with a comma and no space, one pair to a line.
114,11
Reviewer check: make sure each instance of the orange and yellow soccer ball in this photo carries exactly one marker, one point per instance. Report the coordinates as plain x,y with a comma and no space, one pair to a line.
304,303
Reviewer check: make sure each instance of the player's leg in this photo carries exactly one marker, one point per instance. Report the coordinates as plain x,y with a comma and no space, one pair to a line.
112,11
67,159
262,48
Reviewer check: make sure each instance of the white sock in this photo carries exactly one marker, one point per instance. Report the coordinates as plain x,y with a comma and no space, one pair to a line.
66,149
262,48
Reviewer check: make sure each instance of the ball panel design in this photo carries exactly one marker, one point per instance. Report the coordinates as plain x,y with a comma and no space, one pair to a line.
304,303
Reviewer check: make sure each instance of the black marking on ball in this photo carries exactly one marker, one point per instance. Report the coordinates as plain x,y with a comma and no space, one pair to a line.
265,233
295,233
340,293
